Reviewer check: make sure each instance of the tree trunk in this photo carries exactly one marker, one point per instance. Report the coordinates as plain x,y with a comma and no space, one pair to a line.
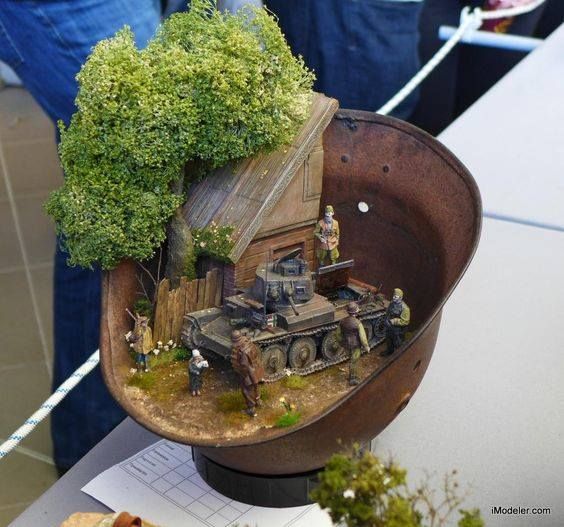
180,260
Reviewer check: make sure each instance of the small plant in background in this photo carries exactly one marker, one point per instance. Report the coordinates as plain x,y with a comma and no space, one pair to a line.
143,307
182,354
362,491
290,416
214,240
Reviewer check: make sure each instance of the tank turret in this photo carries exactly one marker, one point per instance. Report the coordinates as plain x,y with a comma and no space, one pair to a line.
284,282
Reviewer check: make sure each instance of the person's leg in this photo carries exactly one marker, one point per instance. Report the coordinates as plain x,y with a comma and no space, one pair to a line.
362,52
46,43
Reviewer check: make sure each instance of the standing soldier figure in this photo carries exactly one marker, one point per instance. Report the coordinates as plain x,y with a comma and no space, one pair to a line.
397,319
327,232
245,359
196,367
141,339
352,336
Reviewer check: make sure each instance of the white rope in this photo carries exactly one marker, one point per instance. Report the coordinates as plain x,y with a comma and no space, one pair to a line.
46,408
469,20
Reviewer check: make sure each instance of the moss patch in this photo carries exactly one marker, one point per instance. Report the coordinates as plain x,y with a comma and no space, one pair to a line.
232,401
295,382
144,381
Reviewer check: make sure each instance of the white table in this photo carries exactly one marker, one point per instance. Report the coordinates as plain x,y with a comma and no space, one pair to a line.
512,140
492,402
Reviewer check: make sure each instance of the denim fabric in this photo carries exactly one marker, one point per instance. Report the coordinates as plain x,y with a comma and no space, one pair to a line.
46,42
362,51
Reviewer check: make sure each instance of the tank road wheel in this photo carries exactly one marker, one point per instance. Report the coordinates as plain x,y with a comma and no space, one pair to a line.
368,329
330,347
274,358
379,328
302,352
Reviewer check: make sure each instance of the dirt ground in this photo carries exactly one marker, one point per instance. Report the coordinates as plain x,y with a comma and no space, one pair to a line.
217,415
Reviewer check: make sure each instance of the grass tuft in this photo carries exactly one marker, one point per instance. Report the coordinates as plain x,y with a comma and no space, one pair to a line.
232,401
295,382
182,354
288,419
144,381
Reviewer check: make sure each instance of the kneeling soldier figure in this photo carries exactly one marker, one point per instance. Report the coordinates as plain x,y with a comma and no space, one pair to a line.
352,336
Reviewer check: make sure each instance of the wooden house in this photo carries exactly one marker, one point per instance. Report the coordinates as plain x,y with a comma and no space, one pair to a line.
271,200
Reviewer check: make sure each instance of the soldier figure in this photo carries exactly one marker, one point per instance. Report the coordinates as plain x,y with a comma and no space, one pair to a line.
245,359
352,336
196,367
327,232
141,339
397,319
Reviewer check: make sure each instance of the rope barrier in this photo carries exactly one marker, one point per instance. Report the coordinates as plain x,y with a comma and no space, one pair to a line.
468,20
46,408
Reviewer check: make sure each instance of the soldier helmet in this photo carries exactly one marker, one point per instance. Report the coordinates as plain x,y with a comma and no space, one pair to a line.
196,353
352,308
398,292
329,209
236,336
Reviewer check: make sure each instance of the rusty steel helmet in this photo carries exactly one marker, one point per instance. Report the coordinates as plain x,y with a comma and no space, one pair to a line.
236,336
352,308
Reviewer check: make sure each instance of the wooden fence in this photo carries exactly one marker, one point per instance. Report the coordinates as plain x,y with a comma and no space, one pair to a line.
190,295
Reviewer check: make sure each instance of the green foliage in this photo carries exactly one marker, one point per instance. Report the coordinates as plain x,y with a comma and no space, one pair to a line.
250,93
288,419
362,491
211,86
214,241
295,382
145,380
162,359
181,354
144,307
470,518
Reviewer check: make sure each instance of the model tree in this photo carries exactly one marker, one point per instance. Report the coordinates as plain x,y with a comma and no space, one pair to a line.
360,490
210,88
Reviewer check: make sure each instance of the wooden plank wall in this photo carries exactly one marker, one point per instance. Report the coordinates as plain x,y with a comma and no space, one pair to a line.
190,295
260,251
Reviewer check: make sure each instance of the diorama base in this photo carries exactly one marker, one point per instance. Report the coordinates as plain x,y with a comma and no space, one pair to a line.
264,491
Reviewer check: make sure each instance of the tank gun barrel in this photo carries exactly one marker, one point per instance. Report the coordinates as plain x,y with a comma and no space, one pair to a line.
293,305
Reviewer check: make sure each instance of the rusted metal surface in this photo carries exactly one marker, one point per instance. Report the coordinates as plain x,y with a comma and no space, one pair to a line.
420,233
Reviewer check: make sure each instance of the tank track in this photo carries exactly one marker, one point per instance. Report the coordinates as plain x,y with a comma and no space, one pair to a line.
319,364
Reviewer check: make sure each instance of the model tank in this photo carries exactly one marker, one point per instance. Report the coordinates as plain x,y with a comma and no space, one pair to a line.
291,320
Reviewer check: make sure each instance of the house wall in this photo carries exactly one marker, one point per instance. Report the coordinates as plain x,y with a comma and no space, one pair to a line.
242,274
289,226
299,205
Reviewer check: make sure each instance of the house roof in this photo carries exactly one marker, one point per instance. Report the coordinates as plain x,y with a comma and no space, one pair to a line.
243,194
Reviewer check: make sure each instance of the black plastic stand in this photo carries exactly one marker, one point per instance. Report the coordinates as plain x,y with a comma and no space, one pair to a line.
264,491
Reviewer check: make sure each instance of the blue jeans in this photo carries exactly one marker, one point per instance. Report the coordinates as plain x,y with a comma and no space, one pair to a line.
362,51
46,42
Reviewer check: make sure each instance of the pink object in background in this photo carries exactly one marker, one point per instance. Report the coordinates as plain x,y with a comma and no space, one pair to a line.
501,25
